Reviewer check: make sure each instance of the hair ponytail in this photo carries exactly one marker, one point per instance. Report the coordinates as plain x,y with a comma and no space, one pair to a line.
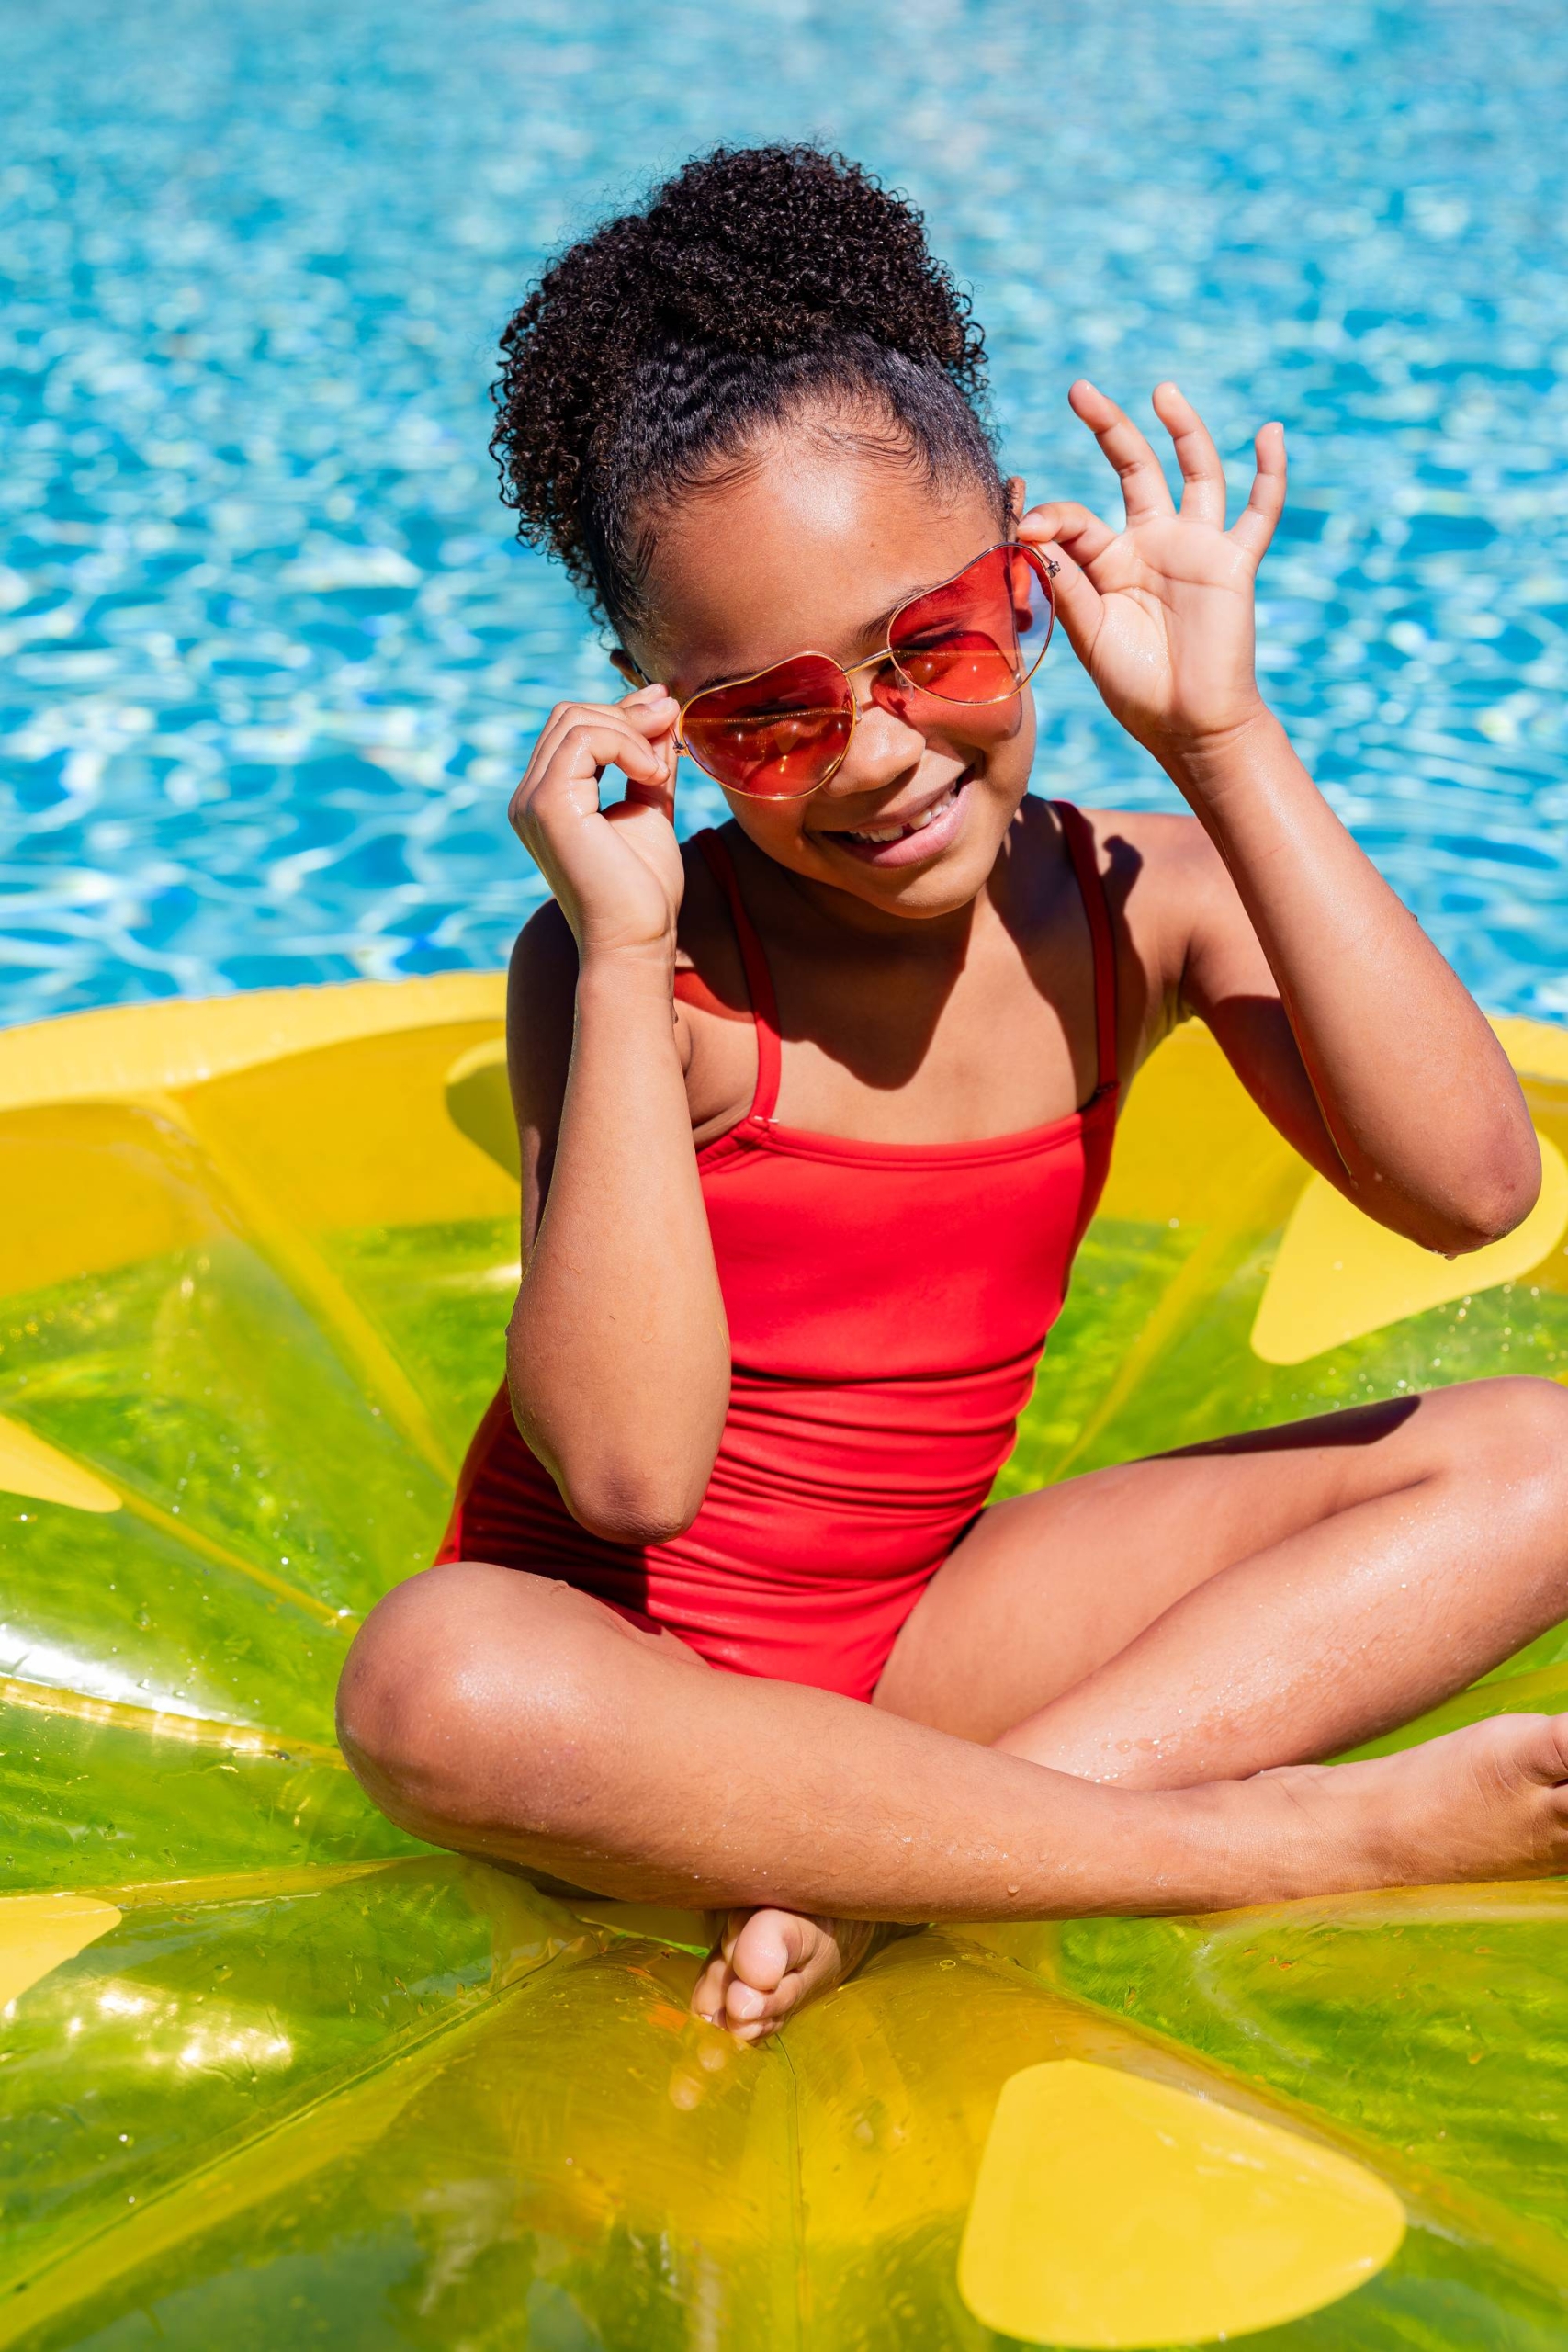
756,281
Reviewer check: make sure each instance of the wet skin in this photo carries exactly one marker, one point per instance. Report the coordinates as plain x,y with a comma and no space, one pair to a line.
1084,1711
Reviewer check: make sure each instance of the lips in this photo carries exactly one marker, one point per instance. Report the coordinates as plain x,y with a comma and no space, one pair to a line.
879,833
895,828
905,838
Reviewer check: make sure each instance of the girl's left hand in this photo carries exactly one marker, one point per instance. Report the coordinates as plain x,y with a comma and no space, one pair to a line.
1160,613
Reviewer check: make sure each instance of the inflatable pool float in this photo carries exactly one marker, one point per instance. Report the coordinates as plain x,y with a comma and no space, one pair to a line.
273,2075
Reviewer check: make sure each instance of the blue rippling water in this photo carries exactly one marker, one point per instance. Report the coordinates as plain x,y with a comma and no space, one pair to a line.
270,660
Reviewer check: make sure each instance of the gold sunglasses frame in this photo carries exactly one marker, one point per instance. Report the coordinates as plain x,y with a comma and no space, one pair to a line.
848,669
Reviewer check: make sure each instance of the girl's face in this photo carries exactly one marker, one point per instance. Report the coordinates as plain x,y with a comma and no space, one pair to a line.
810,546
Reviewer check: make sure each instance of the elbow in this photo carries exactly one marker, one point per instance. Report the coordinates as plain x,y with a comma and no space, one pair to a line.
1489,1222
621,1507
1498,1201
616,1495
630,1485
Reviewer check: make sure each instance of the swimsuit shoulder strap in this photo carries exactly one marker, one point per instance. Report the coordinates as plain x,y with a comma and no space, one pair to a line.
716,855
1096,907
759,979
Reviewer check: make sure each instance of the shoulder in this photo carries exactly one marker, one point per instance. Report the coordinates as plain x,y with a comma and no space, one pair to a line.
710,972
1150,860
1163,878
541,995
1155,847
1167,889
544,952
1180,912
541,973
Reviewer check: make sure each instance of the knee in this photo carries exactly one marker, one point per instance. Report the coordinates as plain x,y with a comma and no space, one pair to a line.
1513,1433
452,1691
409,1694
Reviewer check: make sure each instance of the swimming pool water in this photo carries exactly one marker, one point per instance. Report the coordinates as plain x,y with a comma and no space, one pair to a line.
271,661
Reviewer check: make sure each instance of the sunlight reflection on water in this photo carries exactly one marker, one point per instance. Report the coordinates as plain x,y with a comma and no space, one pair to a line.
272,663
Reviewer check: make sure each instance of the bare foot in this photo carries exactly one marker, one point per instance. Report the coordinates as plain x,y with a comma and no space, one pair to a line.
766,1964
1489,1801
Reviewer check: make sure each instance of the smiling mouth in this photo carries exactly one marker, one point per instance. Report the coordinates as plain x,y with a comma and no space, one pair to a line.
878,836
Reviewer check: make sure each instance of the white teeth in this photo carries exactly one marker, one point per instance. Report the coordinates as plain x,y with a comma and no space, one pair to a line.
916,825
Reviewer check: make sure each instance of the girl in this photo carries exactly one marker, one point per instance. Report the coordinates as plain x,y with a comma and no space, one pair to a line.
813,1113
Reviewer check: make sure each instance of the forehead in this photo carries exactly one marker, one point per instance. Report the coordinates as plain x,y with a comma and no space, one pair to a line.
808,545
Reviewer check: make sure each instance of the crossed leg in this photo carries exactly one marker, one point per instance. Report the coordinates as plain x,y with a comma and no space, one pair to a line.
1265,1599
1169,1630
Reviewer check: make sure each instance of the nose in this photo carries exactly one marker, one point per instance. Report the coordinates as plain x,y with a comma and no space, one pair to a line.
885,744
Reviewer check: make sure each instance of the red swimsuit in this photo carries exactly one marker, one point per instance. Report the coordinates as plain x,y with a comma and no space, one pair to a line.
888,1306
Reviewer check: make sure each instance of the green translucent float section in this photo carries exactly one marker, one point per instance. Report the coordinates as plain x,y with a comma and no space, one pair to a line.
272,2075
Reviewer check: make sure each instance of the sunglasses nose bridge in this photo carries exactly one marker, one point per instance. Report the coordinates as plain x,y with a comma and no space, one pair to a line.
873,662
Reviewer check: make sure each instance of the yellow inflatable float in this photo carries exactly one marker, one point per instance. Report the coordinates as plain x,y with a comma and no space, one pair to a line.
272,2075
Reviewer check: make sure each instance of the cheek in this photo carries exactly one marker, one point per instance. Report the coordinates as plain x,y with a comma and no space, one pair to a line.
1007,730
986,726
998,737
774,826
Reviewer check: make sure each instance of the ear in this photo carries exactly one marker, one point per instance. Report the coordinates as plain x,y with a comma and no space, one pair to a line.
1017,500
621,661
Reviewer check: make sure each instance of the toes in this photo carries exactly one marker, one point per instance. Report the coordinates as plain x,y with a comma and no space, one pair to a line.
772,1961
767,1962
768,1945
753,2015
776,1959
750,2014
755,1953
708,1993
1508,1749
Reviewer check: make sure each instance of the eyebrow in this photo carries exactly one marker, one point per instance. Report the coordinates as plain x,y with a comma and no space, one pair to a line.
877,627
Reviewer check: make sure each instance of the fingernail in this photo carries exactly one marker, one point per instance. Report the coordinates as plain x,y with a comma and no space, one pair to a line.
745,2001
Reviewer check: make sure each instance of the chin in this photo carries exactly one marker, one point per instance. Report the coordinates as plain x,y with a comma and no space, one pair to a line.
942,885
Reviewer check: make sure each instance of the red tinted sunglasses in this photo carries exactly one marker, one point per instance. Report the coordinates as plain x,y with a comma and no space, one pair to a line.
779,734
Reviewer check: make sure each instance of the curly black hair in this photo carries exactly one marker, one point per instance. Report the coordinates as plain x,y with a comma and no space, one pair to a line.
754,282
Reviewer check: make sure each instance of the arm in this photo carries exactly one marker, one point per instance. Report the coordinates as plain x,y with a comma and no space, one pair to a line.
618,1351
1336,1012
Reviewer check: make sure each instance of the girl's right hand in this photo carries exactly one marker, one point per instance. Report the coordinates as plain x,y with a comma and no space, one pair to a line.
615,873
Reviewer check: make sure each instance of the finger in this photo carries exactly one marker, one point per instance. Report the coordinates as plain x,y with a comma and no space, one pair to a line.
571,731
1077,600
589,745
1254,526
1144,488
652,712
564,773
652,708
659,795
651,691
657,792
1076,529
1202,475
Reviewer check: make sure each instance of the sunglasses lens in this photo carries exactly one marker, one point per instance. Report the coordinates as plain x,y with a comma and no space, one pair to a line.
978,638
776,736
